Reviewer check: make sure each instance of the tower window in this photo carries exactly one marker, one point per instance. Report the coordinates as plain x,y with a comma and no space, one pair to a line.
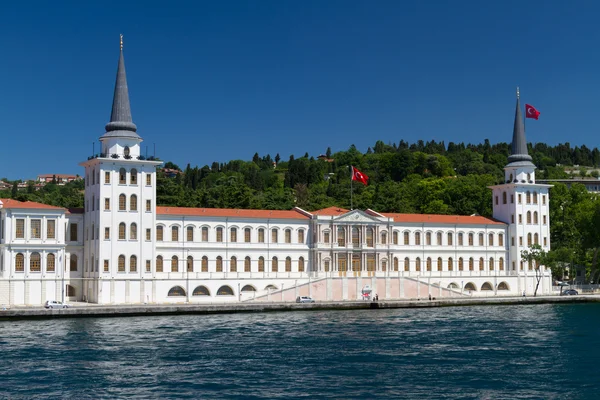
133,176
148,179
107,177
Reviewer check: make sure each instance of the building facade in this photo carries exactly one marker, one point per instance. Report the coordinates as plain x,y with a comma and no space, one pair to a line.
122,248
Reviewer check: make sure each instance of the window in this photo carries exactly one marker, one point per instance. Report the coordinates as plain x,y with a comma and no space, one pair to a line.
519,198
51,229
369,237
384,238
520,218
355,236
536,239
529,239
148,205
159,233
122,176
133,231
500,239
288,236
204,234
94,177
204,264
450,264
460,239
122,202
20,263
219,264
406,238
121,264
326,238
288,264
159,264
274,264
428,238
106,233
106,203
273,235
233,264
512,218
341,236
342,263
133,203
471,264
535,217
529,217
481,239
190,233
122,231
528,197
73,263
491,239
503,197
133,264
36,228
247,232
491,264
50,262
520,240
440,266
261,235
544,199
418,238
535,199
544,219
20,230
512,199
35,262
545,241
93,202
219,234
450,238
406,264
428,264
107,177
395,238
133,176
233,235
326,265
438,238
460,264
501,264
418,264
73,232
105,265
174,234
247,264
148,180
496,199
261,264
174,264
301,264
148,266
301,236
190,264
471,239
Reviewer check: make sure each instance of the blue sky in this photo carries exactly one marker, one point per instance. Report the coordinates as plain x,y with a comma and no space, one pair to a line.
216,81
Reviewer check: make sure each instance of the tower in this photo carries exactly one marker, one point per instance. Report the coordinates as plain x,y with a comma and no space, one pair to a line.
119,208
521,203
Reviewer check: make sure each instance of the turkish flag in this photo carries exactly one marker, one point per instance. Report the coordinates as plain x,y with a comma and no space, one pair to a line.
359,176
531,112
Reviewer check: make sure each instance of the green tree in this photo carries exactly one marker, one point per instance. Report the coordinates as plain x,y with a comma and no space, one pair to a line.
538,257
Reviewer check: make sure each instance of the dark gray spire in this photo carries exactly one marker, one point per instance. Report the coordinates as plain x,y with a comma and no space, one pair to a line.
519,155
121,124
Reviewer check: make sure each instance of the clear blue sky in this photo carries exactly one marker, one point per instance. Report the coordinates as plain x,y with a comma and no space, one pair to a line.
221,80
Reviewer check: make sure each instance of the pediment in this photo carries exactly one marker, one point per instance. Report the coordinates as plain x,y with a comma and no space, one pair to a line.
356,216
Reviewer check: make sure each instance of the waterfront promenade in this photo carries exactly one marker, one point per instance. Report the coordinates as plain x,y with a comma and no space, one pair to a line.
82,310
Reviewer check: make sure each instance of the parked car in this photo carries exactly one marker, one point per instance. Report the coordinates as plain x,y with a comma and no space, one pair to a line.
304,299
55,304
570,292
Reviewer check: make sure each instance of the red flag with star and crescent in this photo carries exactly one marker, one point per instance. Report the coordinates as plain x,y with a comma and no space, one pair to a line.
359,176
531,112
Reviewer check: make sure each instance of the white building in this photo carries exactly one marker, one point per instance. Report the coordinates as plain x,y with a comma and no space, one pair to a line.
123,248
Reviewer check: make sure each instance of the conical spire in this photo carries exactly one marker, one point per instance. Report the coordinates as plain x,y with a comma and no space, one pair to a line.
121,124
519,152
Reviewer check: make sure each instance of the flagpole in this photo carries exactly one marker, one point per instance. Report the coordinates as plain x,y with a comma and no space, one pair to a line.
351,179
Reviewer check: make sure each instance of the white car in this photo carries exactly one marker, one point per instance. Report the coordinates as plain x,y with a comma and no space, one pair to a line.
55,304
304,299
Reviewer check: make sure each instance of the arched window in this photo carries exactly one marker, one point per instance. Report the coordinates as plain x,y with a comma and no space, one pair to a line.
35,262
70,289
274,235
159,264
288,236
502,286
450,238
204,264
450,264
261,235
133,203
120,264
247,264
133,231
418,264
491,264
301,264
341,236
535,217
122,176
481,239
190,233
369,237
342,262
481,264
418,238
261,264
528,196
176,291
460,264
471,264
174,264
225,291
233,235
396,264
428,263
535,201
501,264
122,231
406,264
511,178
491,239
133,264
233,264
274,264
428,238
159,233
470,239
536,239
248,288
529,239
190,264
20,262
395,237
247,233
355,236
50,262
205,234
133,176
174,233
73,263
219,265
440,267
500,239
288,264
219,234
406,238
384,238
470,286
122,202
460,238
439,238
529,217
201,291
301,236
487,286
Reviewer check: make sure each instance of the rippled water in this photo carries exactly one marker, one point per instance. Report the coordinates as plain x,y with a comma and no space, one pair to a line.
541,351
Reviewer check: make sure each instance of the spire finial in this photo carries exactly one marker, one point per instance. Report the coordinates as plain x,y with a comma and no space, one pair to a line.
122,49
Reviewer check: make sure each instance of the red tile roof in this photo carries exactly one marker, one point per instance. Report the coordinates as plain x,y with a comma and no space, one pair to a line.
11,203
443,219
330,211
230,212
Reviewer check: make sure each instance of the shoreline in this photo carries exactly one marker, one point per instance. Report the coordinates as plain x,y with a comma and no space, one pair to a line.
100,311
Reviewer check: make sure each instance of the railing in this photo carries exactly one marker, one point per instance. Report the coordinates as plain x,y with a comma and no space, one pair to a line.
125,157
